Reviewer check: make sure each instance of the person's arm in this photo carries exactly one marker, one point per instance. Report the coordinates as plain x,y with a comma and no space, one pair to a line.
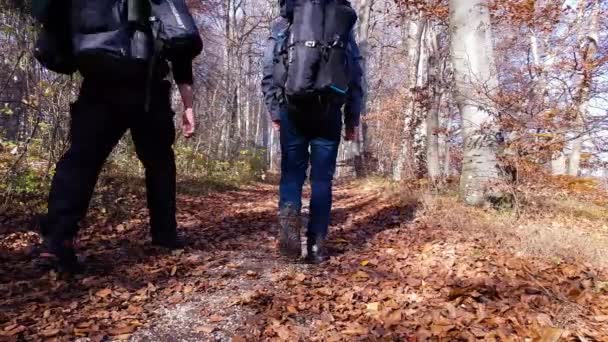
182,74
269,88
354,99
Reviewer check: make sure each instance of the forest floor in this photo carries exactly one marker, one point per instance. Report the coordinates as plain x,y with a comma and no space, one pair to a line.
404,267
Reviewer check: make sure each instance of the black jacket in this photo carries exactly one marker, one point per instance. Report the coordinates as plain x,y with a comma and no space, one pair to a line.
273,93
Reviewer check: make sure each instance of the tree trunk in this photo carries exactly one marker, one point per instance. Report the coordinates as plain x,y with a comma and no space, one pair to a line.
363,30
433,108
404,166
475,75
588,42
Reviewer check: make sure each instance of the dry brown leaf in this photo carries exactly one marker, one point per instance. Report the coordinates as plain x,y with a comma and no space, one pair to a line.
355,329
122,330
283,332
14,330
135,310
175,298
173,270
188,289
549,334
103,293
373,306
292,309
602,318
360,275
324,291
300,277
204,329
215,318
393,318
49,332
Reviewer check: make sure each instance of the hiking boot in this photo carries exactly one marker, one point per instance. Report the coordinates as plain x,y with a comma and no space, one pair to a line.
316,251
171,243
289,234
60,255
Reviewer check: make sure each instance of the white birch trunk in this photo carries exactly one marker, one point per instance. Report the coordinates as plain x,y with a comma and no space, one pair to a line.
475,75
588,42
405,157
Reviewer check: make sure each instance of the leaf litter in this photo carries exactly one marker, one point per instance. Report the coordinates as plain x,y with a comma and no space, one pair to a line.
388,279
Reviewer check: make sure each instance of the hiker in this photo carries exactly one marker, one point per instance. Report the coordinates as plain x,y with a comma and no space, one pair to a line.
130,92
310,133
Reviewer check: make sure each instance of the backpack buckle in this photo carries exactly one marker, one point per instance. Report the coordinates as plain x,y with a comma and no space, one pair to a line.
310,44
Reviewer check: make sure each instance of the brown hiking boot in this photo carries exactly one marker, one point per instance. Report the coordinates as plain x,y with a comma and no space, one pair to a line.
317,253
289,232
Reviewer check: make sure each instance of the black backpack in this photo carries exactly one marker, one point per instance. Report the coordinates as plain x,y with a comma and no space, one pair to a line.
317,60
112,39
53,47
121,40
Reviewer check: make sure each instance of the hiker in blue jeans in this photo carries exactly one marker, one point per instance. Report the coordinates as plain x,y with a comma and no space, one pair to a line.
309,136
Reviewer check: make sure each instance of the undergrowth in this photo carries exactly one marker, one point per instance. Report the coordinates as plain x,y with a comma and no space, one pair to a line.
25,178
565,219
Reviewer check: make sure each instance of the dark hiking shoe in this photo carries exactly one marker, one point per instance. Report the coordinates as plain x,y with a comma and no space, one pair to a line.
59,255
289,232
172,243
316,251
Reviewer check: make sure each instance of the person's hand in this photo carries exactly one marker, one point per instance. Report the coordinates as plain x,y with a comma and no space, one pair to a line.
350,133
276,124
188,123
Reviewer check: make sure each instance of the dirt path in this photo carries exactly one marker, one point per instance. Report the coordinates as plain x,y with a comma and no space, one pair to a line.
391,277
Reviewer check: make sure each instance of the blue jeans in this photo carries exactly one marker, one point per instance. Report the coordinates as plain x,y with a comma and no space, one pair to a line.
307,141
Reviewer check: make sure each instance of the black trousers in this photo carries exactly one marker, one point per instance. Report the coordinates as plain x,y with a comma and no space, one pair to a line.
99,118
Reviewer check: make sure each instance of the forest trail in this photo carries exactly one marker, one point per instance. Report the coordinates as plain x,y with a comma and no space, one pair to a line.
391,277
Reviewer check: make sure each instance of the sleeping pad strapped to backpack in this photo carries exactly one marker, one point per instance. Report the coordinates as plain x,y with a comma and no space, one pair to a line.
119,40
317,49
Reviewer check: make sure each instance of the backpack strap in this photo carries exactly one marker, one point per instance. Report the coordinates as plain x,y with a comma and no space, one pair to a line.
156,56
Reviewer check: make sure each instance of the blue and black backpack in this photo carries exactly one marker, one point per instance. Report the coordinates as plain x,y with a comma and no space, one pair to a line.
311,60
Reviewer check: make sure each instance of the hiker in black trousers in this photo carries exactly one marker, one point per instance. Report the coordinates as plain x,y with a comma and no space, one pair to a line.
102,114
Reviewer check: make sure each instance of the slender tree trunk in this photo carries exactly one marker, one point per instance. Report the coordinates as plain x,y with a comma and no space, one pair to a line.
363,31
588,42
404,166
433,108
475,75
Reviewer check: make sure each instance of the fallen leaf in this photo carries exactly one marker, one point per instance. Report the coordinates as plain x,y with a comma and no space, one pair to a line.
175,299
324,291
392,319
215,318
364,262
355,329
135,310
300,277
204,329
292,309
283,332
602,318
173,270
122,330
49,332
360,275
103,293
14,331
373,306
549,334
